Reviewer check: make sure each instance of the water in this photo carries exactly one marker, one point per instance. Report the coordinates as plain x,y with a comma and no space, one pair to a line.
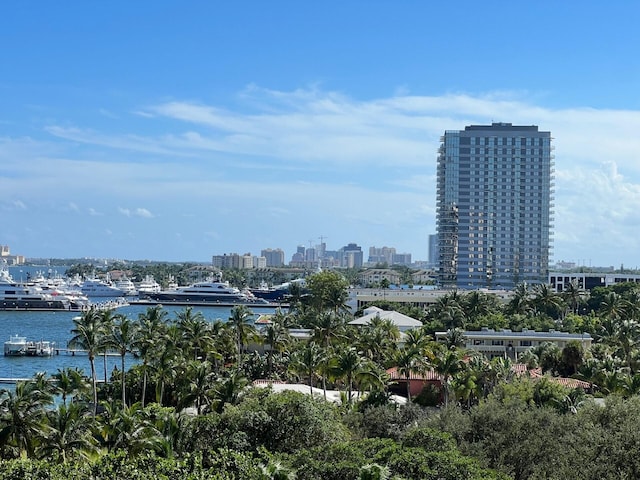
56,327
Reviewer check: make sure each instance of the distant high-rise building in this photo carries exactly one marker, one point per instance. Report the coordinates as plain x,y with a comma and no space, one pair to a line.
351,256
381,255
275,257
401,259
493,208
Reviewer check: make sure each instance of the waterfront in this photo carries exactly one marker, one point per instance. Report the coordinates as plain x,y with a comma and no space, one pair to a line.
56,327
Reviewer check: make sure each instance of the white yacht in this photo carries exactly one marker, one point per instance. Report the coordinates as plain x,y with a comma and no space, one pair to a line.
93,287
211,291
20,296
126,285
148,285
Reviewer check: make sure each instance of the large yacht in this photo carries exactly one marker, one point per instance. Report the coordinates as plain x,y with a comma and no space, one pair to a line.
278,293
211,291
20,296
126,285
94,287
148,285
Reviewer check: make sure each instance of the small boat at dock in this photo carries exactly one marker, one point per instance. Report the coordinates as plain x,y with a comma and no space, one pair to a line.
18,346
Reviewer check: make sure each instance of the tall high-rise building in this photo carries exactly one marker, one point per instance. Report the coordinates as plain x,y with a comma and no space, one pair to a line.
494,206
275,257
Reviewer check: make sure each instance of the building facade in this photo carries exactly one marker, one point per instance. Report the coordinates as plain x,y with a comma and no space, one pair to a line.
274,257
508,344
494,210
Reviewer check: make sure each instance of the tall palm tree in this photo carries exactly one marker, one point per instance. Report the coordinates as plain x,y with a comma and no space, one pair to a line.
241,323
613,306
129,429
574,295
87,335
151,327
307,361
276,335
448,363
122,337
107,317
378,340
166,361
409,360
200,377
346,364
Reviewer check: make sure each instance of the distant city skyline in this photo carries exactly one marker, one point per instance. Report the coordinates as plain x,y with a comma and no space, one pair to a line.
173,132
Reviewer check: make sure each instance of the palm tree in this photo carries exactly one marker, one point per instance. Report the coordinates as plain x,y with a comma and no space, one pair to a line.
164,363
346,364
276,335
574,295
199,376
195,330
547,301
87,335
70,435
22,414
107,317
129,429
613,306
455,338
520,301
327,326
409,360
307,361
228,389
122,337
241,323
151,326
69,382
448,363
378,340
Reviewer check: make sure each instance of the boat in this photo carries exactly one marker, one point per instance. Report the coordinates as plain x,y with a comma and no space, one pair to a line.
127,286
21,296
277,293
212,291
148,285
93,287
18,346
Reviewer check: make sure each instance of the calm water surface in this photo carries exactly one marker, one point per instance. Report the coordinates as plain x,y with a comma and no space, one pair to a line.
56,327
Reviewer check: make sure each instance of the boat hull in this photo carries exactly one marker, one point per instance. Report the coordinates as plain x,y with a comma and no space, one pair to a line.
44,305
176,298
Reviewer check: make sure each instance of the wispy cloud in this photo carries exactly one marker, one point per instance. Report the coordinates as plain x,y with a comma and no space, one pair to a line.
138,212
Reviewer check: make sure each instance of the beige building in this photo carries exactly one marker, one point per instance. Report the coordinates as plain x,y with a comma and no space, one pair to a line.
509,344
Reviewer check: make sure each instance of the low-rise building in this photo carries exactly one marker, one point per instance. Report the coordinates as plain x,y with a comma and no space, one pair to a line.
508,344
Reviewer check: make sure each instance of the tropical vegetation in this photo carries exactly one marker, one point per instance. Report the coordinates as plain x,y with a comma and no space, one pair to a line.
184,402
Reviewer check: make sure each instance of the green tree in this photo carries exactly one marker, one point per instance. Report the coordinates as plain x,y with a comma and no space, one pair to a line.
328,290
70,434
241,323
87,335
22,415
123,337
151,328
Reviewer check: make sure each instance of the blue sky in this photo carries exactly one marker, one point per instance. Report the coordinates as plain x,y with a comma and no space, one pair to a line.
179,130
